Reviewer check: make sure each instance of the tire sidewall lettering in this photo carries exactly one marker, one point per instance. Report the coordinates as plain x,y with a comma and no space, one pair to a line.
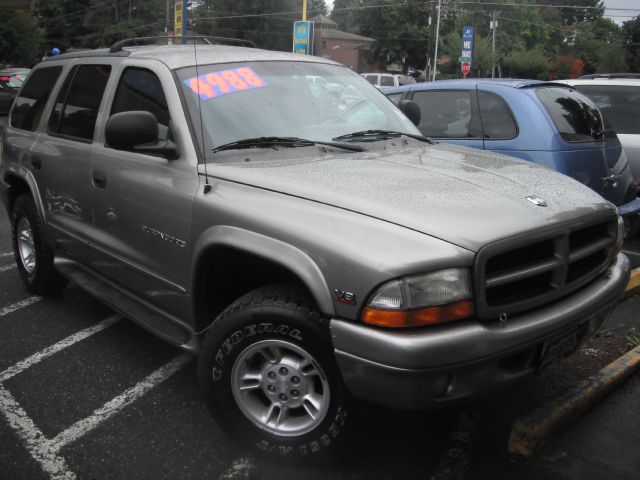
237,337
313,446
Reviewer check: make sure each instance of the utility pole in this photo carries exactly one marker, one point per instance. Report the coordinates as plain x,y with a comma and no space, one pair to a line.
435,55
166,20
432,14
304,10
494,25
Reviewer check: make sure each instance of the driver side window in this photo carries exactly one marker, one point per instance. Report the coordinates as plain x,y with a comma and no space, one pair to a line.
140,89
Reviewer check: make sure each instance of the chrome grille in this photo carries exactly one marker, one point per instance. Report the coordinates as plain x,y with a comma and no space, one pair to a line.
527,271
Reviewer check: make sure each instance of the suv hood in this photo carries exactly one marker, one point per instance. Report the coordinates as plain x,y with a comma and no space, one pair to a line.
461,195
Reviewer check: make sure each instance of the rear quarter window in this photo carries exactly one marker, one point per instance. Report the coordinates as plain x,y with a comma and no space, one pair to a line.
30,103
497,121
575,116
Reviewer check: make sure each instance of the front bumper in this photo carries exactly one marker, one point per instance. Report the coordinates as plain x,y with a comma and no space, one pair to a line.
426,368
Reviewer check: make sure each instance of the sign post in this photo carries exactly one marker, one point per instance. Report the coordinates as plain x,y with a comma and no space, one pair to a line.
466,59
303,38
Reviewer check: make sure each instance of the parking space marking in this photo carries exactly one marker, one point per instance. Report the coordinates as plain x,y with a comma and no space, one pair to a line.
45,451
62,344
7,267
5,254
34,440
18,305
240,469
82,427
456,459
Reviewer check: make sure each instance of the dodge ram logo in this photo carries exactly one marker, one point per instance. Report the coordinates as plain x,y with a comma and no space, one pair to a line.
537,201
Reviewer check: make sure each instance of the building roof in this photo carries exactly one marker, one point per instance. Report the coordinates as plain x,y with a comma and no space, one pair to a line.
321,19
340,35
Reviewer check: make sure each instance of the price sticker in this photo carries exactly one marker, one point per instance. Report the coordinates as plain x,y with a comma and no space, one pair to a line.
224,82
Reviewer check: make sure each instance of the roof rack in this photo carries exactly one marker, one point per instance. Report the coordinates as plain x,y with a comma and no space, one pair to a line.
119,45
609,75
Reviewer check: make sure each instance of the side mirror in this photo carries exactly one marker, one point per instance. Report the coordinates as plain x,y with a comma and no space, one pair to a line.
411,110
137,131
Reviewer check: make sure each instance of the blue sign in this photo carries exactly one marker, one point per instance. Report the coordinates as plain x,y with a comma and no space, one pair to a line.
303,38
467,42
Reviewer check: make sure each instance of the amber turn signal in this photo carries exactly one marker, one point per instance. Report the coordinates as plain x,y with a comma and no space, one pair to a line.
418,317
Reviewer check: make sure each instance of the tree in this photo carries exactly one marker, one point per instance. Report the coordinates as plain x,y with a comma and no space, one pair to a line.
267,23
631,43
21,40
524,63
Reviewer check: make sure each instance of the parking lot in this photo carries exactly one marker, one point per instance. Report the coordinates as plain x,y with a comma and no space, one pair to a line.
87,394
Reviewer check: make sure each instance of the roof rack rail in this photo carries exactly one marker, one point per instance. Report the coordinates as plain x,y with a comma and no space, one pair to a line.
612,76
118,46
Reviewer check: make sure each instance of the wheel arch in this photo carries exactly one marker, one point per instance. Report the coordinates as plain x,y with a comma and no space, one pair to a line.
231,261
20,181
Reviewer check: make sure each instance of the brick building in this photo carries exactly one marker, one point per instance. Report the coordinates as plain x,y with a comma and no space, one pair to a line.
347,48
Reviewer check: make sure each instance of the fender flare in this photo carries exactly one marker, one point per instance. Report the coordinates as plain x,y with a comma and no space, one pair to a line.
270,249
24,174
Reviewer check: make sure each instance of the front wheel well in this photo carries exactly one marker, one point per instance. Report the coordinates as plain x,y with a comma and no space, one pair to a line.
17,187
226,273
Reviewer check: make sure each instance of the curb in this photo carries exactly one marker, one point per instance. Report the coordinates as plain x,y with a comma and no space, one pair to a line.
529,434
634,282
544,424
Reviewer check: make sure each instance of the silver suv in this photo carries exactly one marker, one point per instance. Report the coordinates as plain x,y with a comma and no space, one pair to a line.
309,252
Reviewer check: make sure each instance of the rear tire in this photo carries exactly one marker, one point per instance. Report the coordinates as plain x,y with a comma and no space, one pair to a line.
269,377
33,255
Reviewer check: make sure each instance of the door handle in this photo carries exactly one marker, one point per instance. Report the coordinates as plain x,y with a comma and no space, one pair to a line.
99,179
36,162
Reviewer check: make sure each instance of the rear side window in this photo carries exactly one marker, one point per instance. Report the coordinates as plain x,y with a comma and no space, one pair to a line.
33,98
76,110
619,105
386,81
445,114
497,121
576,117
140,89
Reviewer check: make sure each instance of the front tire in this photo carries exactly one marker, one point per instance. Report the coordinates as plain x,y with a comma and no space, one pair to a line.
270,379
34,257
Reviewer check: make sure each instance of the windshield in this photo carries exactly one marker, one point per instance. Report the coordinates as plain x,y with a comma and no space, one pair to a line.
285,99
619,105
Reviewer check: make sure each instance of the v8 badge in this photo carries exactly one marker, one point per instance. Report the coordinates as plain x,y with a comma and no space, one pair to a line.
343,296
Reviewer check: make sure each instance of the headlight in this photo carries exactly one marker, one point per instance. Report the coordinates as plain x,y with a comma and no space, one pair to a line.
421,300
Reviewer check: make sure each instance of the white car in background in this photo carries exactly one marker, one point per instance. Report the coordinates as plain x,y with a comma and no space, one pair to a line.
618,98
388,80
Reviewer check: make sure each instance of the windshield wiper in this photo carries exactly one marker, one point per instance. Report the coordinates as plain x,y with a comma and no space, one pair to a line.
263,142
370,135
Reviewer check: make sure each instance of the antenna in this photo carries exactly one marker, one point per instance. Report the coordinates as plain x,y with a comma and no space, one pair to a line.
207,187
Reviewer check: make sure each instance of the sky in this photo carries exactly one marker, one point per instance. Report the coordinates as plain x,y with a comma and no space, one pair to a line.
618,16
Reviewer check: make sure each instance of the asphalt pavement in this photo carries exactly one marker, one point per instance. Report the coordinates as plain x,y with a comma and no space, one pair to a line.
87,394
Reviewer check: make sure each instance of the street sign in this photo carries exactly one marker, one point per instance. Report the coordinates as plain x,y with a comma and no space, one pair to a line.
467,44
179,20
303,37
466,68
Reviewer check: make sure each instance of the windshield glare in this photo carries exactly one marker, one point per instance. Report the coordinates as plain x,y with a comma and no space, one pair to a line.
285,99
